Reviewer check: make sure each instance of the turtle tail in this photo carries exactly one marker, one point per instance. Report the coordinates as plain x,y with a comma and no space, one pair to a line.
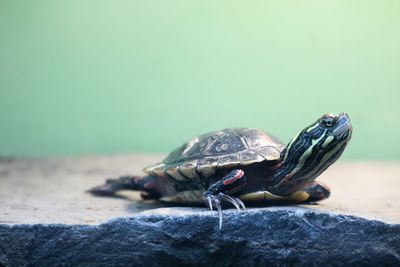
148,185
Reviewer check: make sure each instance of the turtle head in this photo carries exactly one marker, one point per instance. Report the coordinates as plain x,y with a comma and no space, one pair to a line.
313,150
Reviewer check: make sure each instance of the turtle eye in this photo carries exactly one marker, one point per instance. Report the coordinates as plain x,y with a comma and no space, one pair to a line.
328,122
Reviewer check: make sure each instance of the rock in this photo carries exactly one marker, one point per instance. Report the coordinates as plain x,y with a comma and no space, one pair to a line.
46,219
259,237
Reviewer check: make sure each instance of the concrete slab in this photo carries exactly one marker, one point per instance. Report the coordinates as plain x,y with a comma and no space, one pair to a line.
52,190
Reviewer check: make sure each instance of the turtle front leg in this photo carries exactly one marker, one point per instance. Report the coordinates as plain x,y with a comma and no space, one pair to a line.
316,190
222,191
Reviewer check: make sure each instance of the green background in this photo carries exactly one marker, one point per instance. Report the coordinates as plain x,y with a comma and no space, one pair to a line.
86,77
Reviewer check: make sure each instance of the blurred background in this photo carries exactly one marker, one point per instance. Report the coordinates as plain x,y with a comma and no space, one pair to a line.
100,77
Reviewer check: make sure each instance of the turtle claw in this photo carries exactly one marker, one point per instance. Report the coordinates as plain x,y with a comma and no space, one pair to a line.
210,205
234,201
215,200
218,205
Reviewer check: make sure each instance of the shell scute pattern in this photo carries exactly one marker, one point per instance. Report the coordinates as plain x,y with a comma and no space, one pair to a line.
250,156
188,169
206,166
203,155
229,161
228,143
256,139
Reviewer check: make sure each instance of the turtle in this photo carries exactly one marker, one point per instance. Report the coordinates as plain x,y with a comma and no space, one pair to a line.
243,165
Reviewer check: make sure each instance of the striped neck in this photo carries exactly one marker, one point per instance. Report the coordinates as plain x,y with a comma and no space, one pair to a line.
310,153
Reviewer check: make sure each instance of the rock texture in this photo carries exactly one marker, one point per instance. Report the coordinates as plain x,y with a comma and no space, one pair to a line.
46,219
282,236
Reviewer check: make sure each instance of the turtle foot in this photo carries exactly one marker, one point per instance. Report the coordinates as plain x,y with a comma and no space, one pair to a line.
215,200
112,186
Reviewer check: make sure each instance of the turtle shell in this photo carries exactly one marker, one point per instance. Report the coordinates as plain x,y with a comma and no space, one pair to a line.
202,156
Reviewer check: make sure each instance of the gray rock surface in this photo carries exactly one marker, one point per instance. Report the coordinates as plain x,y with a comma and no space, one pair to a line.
283,236
46,219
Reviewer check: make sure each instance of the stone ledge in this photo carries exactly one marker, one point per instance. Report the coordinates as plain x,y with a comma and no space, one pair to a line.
182,236
46,219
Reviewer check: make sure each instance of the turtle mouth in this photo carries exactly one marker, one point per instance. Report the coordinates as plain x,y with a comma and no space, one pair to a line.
344,127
